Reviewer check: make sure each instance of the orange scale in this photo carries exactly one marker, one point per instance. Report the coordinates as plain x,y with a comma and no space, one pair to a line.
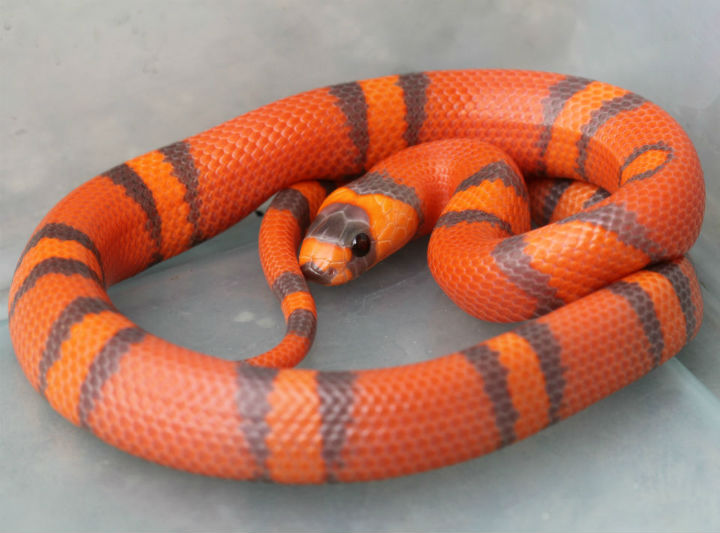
647,161
458,264
342,195
598,356
192,394
495,198
562,152
66,377
401,226
539,189
297,300
92,196
525,381
277,244
289,462
289,161
613,143
573,200
385,116
169,197
47,248
570,202
110,218
486,195
559,254
601,165
667,307
655,203
384,439
695,292
287,353
41,306
313,192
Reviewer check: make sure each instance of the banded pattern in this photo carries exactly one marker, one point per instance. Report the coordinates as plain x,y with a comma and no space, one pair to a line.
611,318
413,88
557,97
282,229
556,199
183,167
138,191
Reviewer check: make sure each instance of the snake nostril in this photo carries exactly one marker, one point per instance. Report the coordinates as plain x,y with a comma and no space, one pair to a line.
317,274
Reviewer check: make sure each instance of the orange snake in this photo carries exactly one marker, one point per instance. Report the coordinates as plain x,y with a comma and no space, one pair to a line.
609,318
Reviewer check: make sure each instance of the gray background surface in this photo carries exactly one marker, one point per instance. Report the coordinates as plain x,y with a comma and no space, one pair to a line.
84,86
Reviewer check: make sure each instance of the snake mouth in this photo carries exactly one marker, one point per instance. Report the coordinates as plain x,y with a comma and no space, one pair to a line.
313,272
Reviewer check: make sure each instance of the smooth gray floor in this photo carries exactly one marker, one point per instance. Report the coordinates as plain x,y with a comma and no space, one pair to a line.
84,86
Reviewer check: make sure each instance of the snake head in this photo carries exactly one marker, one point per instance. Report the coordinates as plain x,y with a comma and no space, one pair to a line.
339,245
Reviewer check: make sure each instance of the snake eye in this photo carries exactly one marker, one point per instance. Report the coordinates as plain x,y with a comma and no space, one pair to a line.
361,245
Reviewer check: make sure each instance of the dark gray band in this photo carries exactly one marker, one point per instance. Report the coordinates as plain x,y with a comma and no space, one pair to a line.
294,201
184,169
497,170
74,313
660,146
616,218
381,183
681,284
552,197
598,118
302,323
549,353
644,308
558,95
494,377
103,367
335,390
414,87
452,218
62,232
510,257
53,265
254,387
351,101
140,193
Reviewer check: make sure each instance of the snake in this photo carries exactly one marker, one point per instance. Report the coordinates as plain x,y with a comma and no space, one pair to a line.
597,275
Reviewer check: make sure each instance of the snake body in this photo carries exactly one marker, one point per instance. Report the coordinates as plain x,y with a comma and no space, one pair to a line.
620,297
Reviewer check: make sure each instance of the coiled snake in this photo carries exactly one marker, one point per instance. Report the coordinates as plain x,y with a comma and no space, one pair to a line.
610,317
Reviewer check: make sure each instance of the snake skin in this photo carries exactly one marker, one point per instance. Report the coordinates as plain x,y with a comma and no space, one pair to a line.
259,419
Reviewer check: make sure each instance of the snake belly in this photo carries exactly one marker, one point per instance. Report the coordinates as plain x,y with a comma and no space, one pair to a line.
212,416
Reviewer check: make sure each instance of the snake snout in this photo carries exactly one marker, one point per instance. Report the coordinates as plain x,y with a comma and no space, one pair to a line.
317,274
